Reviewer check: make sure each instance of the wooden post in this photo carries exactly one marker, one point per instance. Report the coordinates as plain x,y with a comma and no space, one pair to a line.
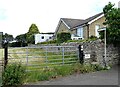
5,54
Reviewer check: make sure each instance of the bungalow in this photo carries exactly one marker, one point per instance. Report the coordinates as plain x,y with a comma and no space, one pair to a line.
42,37
82,29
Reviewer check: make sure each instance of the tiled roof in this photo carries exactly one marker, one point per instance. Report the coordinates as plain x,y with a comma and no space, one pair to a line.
93,17
72,23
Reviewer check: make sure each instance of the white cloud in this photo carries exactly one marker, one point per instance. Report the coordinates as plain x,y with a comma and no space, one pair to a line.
20,14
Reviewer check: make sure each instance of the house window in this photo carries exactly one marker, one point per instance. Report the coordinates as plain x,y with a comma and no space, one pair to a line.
80,32
42,37
96,30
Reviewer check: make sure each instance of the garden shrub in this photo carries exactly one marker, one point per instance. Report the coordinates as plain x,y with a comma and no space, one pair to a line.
63,37
18,44
93,37
13,75
97,67
49,42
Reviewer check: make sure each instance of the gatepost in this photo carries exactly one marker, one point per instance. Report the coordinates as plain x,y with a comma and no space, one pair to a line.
81,54
5,53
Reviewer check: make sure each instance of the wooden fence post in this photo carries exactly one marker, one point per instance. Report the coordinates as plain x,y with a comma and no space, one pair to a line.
5,54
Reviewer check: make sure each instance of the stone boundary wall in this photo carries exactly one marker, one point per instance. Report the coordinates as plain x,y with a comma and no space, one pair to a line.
96,51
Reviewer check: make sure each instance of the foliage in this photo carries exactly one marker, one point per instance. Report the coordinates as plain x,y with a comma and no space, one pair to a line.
40,76
8,37
30,39
93,37
85,40
63,37
49,42
112,20
13,75
17,44
30,34
57,71
63,70
1,37
21,41
33,29
21,38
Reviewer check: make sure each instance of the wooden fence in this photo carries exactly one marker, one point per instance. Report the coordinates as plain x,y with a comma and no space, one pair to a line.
40,57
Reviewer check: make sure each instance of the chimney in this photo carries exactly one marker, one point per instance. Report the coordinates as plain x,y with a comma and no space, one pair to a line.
119,4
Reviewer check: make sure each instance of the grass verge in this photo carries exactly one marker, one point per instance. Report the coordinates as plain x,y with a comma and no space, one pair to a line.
51,73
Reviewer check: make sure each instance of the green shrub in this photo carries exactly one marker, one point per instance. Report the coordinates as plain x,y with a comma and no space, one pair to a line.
97,67
49,42
13,75
93,37
63,37
86,68
18,44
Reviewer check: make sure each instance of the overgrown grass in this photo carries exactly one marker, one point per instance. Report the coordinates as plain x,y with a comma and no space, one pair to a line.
58,71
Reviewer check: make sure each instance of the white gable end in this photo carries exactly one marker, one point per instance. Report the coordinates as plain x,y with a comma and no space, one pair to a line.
96,19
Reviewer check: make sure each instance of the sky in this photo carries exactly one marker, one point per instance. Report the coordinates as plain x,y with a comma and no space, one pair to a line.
16,16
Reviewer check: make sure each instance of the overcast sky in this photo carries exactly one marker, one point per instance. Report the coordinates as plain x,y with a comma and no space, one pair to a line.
16,16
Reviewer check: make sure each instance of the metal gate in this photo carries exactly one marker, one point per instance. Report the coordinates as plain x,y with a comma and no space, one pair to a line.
40,57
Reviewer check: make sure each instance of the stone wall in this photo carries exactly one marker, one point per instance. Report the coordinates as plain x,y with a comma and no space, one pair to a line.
96,51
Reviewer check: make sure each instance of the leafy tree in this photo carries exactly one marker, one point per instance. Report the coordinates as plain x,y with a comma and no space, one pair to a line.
8,37
21,38
30,34
112,20
33,29
21,41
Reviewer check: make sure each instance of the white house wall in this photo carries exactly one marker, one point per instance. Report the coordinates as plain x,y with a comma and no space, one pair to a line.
38,37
